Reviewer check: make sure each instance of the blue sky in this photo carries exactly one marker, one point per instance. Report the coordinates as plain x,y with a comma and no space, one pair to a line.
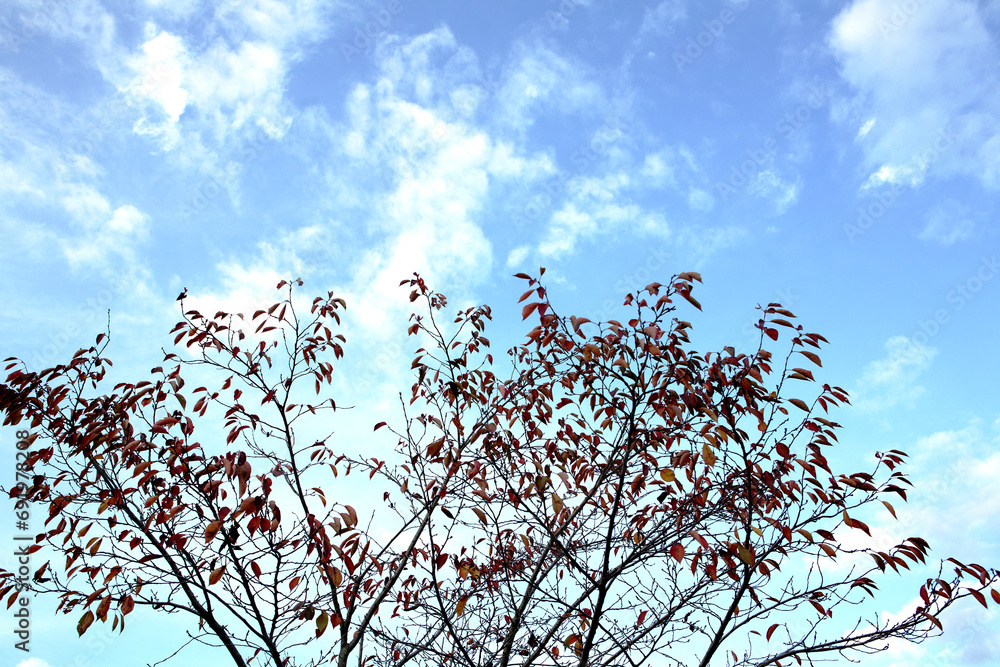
842,158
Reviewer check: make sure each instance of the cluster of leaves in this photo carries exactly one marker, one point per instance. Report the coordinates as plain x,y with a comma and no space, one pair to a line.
618,499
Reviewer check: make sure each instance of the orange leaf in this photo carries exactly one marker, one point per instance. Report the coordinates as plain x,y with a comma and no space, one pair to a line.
461,605
557,503
708,454
216,575
799,403
321,622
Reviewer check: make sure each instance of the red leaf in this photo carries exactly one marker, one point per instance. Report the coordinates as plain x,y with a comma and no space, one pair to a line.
811,356
677,551
379,425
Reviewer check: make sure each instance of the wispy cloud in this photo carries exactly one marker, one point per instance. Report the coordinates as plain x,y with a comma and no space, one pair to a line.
920,68
892,380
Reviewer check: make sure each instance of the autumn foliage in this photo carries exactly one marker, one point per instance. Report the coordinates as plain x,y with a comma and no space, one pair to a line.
613,498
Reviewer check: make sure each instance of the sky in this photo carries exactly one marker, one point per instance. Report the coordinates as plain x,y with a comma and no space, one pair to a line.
842,158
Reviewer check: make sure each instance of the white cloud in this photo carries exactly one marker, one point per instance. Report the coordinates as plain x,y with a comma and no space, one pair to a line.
541,81
954,504
598,205
662,18
33,662
219,92
700,200
517,256
892,380
926,71
105,235
947,222
769,185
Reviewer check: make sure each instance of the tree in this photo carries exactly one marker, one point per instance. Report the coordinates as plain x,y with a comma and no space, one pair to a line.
619,499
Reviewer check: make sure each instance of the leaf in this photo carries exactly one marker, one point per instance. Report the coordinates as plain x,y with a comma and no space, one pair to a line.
889,507
799,403
216,575
379,425
85,622
934,619
667,475
256,569
322,621
677,552
995,594
127,605
480,514
557,503
461,605
811,356
529,309
701,540
694,302
708,454
770,631
744,554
